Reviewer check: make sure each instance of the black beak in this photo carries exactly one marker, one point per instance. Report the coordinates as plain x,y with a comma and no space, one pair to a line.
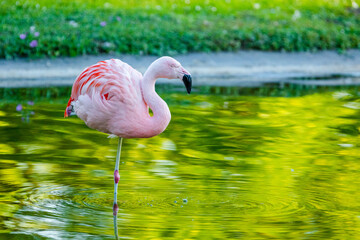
187,81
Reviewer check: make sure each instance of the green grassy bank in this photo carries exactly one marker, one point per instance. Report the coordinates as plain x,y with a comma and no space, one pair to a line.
70,28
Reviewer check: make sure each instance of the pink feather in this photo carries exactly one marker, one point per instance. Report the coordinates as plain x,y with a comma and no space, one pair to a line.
114,98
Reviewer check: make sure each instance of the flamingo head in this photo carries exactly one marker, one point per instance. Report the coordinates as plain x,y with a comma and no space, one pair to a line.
169,68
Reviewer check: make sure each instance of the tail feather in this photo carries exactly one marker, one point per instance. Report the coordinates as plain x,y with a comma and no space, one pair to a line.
69,110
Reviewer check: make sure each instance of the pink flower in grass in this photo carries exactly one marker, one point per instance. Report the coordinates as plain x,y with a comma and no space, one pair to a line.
22,36
103,24
33,43
36,34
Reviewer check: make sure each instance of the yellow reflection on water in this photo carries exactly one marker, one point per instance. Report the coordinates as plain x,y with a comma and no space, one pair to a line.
227,167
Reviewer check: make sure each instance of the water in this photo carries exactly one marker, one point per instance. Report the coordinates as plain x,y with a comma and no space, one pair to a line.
228,167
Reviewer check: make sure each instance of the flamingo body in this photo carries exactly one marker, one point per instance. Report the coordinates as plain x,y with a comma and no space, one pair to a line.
114,98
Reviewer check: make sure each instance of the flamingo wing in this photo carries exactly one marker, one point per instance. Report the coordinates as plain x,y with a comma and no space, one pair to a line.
103,90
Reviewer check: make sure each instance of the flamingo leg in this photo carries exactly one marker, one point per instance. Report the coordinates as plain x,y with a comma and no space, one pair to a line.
117,176
116,228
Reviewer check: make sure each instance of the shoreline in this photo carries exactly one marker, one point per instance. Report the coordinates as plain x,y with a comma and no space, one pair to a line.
223,68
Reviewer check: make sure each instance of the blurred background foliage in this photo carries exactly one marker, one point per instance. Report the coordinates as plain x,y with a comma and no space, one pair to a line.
61,94
47,28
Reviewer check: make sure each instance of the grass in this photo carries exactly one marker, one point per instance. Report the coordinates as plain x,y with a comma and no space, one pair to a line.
159,27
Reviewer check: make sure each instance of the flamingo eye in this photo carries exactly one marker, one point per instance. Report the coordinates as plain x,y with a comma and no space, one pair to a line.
175,65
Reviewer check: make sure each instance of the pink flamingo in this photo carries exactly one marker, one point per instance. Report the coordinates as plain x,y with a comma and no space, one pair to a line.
114,98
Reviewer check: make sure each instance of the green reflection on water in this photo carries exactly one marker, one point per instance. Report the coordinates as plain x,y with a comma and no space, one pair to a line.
228,166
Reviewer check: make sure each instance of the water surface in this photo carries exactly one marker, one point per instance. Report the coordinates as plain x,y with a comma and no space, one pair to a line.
228,166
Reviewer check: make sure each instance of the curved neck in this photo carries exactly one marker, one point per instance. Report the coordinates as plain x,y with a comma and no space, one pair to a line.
161,113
